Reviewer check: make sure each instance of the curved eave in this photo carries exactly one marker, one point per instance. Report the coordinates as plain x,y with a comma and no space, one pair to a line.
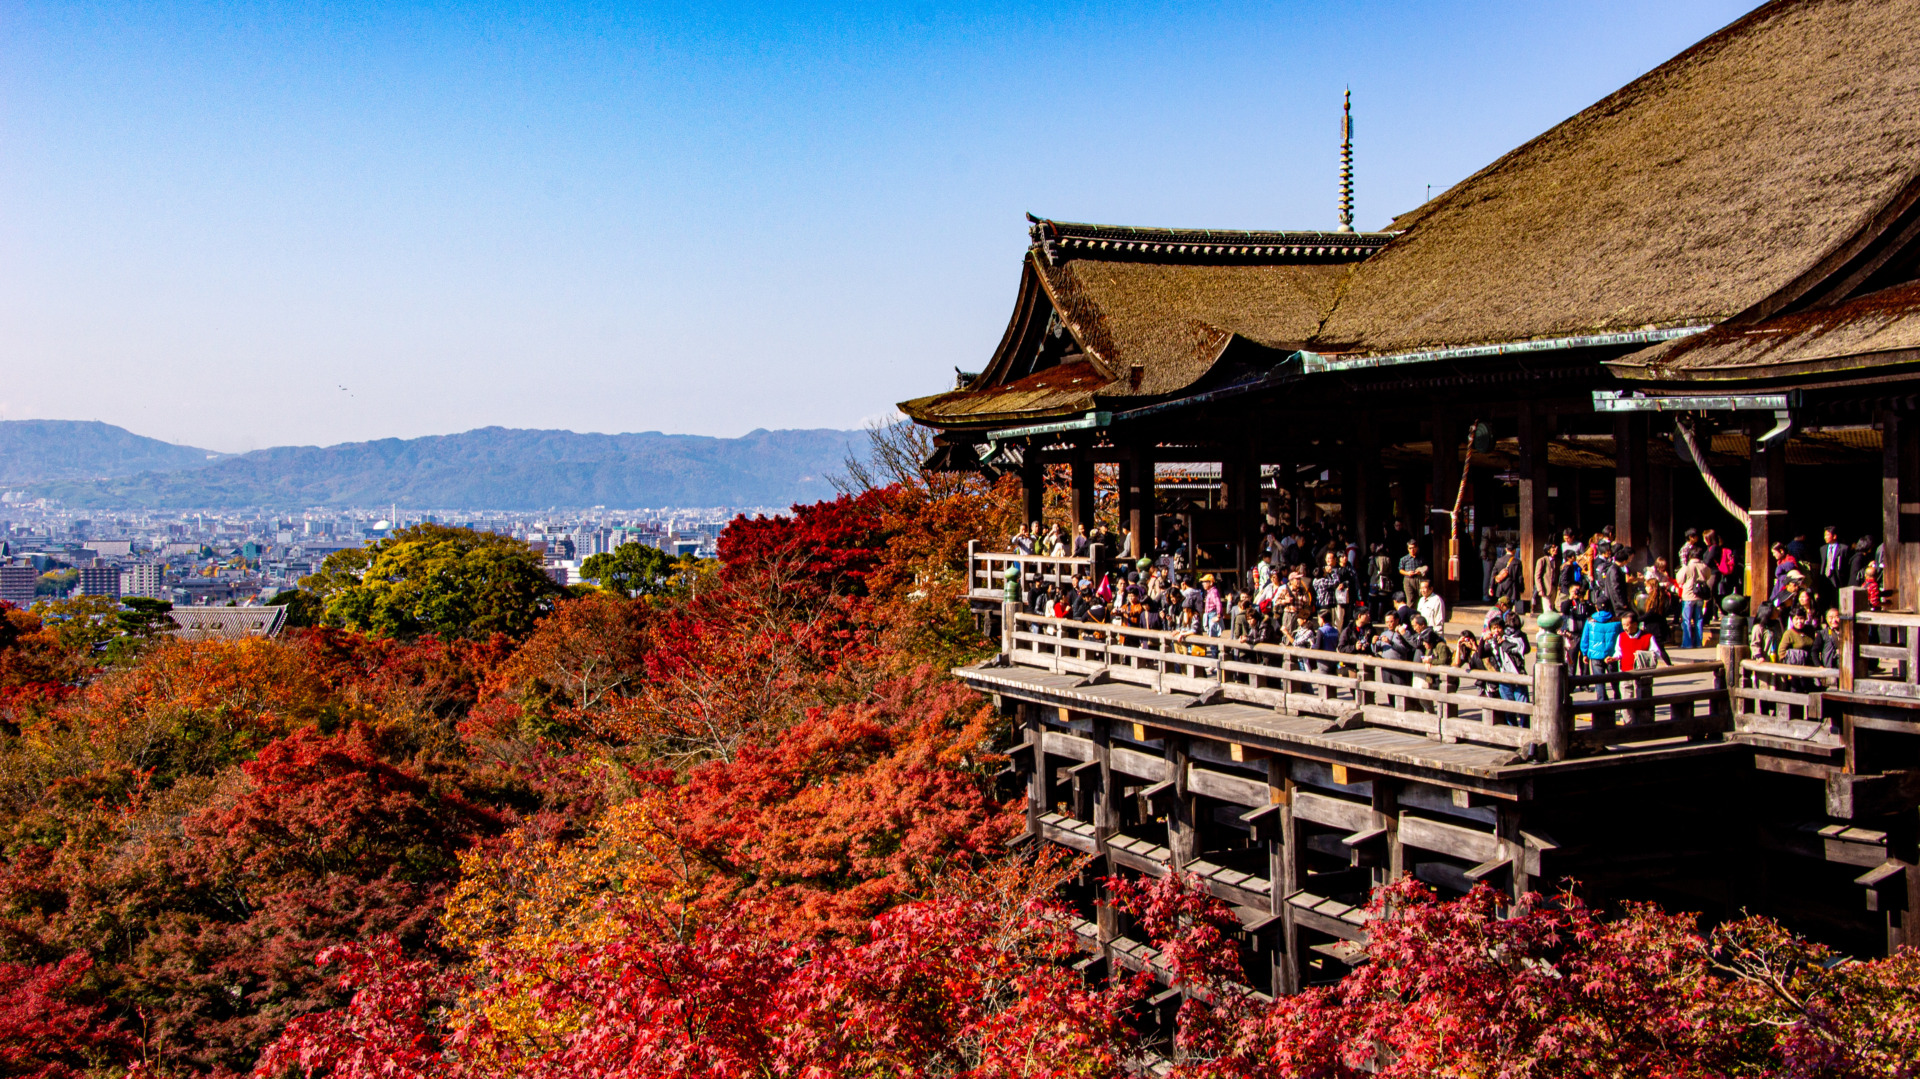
1866,332
1768,372
1064,390
924,411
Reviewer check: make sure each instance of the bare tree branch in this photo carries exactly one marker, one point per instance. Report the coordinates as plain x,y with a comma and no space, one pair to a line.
895,450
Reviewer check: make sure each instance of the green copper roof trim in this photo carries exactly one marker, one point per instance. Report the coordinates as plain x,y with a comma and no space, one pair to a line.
1314,362
1619,401
1084,423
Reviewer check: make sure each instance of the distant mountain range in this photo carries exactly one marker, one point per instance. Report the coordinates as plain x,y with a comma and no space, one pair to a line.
95,465
41,451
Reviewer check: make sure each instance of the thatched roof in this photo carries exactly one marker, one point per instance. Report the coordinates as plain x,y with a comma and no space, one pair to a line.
1175,321
1147,313
1711,183
1876,330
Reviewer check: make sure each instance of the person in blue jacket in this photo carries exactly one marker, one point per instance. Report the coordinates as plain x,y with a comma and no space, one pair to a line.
1597,641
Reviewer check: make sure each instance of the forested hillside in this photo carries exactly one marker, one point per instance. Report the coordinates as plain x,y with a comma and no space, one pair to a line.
739,825
41,451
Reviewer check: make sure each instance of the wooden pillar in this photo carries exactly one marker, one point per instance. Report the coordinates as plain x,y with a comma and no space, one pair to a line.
1032,484
1231,467
1080,509
1766,508
1660,514
1446,487
1905,848
1252,517
1037,782
1386,814
1359,482
1240,485
1141,502
1513,847
1579,522
1552,711
1630,479
1124,489
1183,832
1286,870
1106,823
1536,530
1900,507
1285,480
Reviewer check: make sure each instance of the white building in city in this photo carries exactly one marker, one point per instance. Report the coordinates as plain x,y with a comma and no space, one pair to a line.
144,579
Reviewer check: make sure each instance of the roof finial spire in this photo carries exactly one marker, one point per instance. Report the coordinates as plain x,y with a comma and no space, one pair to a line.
1346,162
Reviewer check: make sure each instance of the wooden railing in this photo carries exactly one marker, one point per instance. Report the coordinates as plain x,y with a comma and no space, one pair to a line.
1881,652
1783,690
1782,700
1448,704
986,570
1682,699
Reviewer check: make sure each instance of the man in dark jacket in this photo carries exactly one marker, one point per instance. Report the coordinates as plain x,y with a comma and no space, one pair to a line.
1833,563
1509,577
1609,579
1357,637
1858,561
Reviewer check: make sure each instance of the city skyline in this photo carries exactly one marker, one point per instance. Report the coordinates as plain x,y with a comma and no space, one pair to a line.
287,226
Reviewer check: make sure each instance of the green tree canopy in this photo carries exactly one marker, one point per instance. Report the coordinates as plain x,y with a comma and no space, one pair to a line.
303,607
451,582
82,624
632,569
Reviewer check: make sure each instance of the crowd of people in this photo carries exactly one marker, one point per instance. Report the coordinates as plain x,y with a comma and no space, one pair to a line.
1315,587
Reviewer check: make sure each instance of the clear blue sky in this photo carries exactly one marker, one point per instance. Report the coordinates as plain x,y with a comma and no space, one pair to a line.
685,217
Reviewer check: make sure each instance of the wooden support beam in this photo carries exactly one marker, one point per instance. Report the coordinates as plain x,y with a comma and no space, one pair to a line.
1487,869
1386,819
1513,848
1246,497
1536,529
1766,508
1080,506
1036,779
1630,479
1125,491
1895,893
1286,868
1183,831
1264,823
1367,847
1243,754
1361,485
1084,780
1446,485
1032,487
1233,492
1660,514
1900,506
1141,503
1286,481
1886,886
1867,797
1106,822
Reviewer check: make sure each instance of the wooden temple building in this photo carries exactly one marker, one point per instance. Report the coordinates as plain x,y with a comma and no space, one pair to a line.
1724,252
